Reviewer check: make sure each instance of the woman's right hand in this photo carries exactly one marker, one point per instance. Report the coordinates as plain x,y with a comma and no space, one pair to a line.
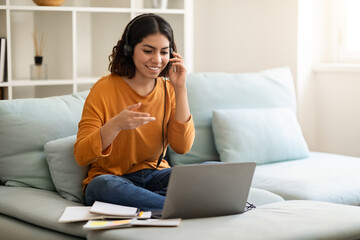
129,118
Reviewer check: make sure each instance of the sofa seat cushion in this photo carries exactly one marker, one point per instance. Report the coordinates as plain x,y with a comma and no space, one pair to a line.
39,207
259,197
14,229
322,176
280,220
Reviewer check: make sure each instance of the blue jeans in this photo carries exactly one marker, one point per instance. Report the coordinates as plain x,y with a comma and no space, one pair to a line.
144,189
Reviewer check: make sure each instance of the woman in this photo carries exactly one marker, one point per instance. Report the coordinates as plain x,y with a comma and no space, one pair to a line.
131,115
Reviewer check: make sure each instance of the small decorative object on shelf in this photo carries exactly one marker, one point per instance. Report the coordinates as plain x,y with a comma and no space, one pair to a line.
162,4
49,2
38,71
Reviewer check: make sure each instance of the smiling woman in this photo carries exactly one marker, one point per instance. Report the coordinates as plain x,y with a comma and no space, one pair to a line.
123,132
140,27
150,57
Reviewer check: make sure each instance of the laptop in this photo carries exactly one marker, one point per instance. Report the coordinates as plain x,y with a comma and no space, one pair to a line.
207,190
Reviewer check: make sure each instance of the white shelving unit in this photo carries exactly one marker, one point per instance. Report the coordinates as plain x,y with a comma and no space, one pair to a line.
80,35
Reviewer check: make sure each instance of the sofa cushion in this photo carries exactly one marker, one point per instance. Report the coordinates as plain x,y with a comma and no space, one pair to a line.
277,221
209,91
259,197
260,135
14,229
66,174
321,176
39,207
25,126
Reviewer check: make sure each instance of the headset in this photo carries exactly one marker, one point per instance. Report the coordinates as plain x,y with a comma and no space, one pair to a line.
128,52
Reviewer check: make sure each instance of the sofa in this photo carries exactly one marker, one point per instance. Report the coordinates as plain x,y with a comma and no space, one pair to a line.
238,117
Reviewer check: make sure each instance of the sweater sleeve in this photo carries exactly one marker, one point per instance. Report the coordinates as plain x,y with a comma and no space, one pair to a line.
181,135
88,146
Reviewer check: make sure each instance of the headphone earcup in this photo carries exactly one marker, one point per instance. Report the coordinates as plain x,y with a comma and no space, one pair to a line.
128,50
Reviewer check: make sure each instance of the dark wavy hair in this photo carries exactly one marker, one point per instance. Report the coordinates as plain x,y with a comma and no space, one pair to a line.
137,29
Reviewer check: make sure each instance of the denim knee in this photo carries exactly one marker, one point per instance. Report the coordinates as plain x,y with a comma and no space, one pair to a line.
121,191
101,186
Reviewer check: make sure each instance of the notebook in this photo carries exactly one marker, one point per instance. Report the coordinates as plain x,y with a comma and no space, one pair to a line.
207,190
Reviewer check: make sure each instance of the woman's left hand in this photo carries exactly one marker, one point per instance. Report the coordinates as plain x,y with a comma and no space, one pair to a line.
177,72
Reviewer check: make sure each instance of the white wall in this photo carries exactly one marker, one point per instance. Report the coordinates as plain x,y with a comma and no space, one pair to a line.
308,48
338,112
328,98
252,35
244,35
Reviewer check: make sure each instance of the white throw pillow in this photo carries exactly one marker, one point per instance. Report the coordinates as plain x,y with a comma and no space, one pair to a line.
262,135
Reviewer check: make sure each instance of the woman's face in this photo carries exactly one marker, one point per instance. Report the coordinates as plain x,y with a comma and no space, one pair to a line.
151,56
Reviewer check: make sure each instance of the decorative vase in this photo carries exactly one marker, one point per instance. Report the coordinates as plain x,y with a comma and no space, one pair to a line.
162,4
38,71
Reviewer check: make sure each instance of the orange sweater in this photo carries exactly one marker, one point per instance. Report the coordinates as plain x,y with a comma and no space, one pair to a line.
134,149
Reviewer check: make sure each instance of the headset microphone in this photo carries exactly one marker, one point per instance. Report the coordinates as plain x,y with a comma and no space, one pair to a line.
163,123
162,133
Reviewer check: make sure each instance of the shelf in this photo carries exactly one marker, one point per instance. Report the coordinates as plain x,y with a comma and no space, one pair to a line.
67,9
92,9
160,11
36,8
41,82
52,82
89,80
128,10
80,36
78,3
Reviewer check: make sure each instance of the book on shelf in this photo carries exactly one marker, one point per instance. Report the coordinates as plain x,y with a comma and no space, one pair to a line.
4,93
3,64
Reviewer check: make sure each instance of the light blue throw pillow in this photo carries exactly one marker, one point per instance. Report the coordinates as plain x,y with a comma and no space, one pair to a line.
65,173
263,135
